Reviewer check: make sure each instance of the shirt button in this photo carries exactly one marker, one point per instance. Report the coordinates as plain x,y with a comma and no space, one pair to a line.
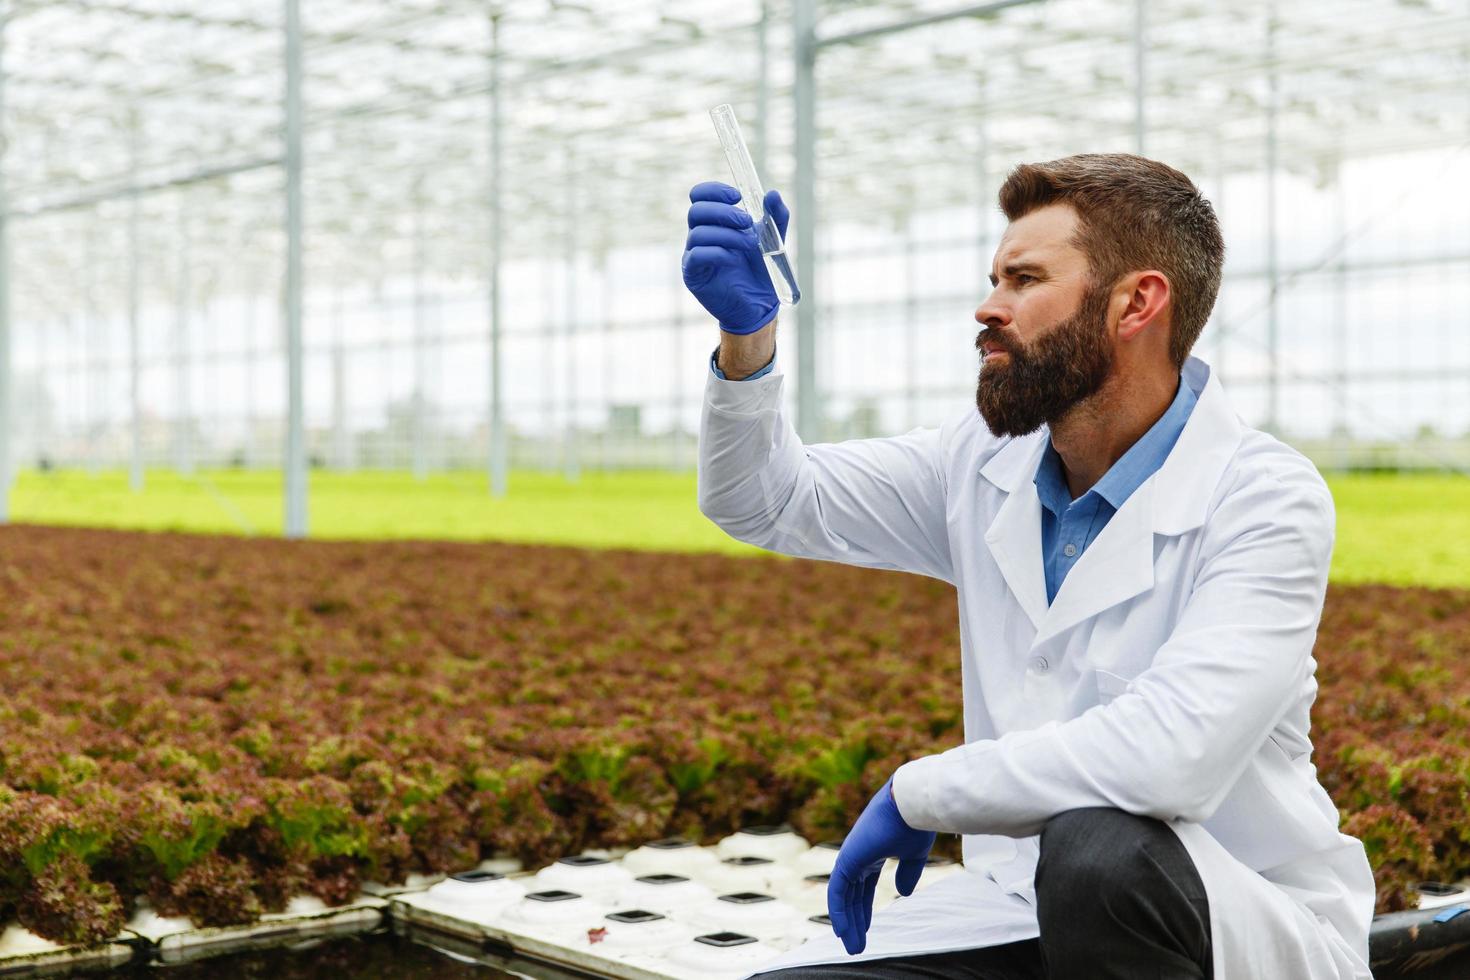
1040,665
1069,550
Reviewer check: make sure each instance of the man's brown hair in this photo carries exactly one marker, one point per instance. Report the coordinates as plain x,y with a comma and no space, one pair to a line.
1134,213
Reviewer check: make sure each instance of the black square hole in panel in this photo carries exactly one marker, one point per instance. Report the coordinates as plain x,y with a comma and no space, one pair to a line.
477,876
582,861
669,844
553,895
634,915
747,898
662,879
724,939
767,830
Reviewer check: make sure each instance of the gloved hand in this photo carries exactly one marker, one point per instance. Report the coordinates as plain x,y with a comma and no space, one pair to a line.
723,266
879,833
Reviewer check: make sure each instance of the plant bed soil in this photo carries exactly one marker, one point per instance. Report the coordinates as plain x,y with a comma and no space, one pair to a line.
217,724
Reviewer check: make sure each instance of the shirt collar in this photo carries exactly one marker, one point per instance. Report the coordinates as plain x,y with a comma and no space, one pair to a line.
1132,468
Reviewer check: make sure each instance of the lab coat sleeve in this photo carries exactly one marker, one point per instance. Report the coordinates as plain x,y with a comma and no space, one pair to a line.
878,503
1178,738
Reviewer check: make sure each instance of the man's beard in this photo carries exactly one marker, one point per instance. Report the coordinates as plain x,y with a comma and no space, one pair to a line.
1041,381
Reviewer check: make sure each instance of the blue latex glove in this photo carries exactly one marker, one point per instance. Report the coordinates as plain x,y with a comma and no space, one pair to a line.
723,266
878,834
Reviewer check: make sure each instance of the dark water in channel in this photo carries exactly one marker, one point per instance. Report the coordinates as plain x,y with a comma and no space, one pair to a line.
382,956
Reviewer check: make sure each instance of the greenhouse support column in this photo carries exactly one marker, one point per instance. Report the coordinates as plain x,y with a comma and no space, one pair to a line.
604,307
676,408
911,326
296,422
571,467
209,363
41,423
183,450
988,204
1273,349
6,392
341,437
420,435
762,92
89,334
497,459
808,404
252,355
547,452
1140,74
135,412
1339,339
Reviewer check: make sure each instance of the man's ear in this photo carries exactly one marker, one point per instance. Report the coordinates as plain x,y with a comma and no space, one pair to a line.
1147,294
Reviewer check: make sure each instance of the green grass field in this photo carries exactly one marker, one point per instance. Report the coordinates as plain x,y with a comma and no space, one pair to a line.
1396,529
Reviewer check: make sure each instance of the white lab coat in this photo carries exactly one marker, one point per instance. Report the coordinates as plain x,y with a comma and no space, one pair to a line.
1172,676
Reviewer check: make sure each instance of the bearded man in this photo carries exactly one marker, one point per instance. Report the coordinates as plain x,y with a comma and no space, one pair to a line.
1140,576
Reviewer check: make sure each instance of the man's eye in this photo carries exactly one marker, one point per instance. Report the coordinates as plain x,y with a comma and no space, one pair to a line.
1023,277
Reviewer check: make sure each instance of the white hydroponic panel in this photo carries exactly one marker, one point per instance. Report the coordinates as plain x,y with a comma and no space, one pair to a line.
22,953
653,913
179,940
149,936
1437,895
668,909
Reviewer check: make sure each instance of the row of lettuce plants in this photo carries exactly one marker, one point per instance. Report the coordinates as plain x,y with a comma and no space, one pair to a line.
215,725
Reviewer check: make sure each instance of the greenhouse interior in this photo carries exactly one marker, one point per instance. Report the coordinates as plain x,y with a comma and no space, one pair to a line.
351,409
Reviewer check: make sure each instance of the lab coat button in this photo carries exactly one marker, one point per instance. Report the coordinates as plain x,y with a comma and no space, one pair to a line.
1069,550
1040,665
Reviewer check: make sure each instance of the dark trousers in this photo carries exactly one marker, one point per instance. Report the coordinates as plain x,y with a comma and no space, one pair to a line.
1117,898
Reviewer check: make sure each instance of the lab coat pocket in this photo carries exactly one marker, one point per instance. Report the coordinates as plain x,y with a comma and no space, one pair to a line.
1109,684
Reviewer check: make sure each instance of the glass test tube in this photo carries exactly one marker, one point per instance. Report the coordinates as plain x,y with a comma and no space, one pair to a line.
753,196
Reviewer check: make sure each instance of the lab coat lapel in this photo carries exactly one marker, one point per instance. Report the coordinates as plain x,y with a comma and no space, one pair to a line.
1185,484
1119,564
1014,536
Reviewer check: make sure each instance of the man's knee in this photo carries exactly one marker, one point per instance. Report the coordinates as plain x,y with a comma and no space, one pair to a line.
1115,881
1098,848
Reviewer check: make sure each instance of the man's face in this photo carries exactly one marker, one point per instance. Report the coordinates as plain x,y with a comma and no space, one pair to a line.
1046,344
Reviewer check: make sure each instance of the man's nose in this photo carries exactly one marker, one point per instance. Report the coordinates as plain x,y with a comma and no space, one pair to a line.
992,313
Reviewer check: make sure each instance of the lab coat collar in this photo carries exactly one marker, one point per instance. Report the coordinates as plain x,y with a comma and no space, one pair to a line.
1119,564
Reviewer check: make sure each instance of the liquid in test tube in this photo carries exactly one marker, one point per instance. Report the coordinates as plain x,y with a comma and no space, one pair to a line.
753,197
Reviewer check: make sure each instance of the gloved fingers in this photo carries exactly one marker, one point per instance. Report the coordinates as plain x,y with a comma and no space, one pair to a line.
855,939
718,213
777,209
700,264
714,190
836,902
870,889
857,905
907,878
735,240
842,894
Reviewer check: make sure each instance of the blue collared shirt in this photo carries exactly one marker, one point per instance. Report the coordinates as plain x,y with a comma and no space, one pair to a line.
759,374
1068,526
